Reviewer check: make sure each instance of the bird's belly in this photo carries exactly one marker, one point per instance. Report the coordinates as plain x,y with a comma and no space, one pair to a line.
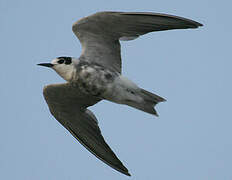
103,83
122,91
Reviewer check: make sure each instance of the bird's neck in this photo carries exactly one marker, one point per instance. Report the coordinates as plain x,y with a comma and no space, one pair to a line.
67,74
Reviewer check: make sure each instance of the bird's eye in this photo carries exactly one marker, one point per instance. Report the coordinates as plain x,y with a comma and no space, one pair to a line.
61,61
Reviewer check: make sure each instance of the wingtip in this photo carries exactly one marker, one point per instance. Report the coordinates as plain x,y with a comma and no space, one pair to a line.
163,99
123,170
197,25
126,173
200,24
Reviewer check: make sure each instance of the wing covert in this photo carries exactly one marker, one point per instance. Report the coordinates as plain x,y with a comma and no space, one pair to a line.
100,33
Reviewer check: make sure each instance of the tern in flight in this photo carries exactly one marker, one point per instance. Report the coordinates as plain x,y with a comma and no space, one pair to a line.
96,75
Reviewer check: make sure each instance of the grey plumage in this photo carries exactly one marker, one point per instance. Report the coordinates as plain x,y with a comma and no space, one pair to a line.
99,33
96,75
68,105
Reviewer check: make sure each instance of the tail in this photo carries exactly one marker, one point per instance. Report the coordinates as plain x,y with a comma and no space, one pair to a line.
149,102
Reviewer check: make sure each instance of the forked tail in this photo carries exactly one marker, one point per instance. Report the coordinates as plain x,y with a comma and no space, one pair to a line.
148,103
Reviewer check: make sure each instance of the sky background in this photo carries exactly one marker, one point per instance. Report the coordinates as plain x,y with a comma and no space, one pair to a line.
192,69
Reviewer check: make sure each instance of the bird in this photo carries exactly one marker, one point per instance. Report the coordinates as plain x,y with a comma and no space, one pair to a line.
96,75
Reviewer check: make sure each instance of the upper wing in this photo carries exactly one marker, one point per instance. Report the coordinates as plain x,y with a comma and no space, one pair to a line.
68,106
100,33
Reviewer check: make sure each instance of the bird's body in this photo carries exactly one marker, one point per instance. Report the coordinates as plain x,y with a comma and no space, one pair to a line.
96,75
96,80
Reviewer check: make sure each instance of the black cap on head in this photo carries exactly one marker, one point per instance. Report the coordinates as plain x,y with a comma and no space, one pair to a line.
66,60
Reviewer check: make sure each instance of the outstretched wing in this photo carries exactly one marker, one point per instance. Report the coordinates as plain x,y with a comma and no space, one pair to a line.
68,106
100,33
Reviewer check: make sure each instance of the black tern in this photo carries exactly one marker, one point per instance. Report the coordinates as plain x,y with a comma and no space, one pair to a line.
96,75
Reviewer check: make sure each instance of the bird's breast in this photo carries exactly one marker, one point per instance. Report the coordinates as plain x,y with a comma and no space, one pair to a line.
94,79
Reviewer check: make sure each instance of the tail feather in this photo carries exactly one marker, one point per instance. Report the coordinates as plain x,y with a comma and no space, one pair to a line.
149,102
152,97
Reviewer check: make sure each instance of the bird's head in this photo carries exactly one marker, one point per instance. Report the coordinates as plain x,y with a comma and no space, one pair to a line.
64,66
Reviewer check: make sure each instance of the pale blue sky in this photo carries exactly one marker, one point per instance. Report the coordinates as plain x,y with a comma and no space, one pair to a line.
191,140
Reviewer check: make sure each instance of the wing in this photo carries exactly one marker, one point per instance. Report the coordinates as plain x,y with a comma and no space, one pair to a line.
100,33
68,106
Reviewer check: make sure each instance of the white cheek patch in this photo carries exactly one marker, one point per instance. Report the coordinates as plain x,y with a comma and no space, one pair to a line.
54,61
